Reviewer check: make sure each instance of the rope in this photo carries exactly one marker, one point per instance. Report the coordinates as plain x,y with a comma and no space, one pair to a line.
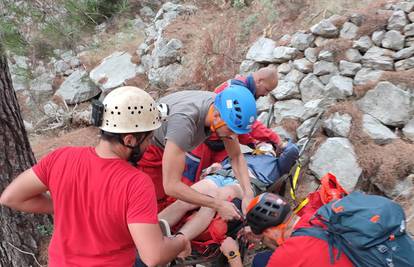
28,253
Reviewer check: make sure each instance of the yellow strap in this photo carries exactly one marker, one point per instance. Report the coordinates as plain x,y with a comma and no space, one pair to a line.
301,205
295,181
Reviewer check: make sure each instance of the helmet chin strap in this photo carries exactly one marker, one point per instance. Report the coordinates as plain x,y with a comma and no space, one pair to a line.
214,122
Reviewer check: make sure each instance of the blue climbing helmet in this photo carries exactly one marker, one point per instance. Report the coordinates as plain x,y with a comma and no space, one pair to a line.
237,108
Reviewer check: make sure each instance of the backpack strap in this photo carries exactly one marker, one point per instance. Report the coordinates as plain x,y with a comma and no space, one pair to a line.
322,234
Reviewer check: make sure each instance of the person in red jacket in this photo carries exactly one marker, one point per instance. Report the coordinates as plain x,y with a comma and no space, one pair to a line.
259,83
104,208
271,216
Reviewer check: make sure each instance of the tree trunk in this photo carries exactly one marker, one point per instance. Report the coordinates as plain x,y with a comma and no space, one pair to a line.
16,228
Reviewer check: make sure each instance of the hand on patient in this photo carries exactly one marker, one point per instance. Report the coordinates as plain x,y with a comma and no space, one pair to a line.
211,169
228,211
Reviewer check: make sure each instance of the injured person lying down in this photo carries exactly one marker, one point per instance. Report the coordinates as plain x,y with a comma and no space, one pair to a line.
219,182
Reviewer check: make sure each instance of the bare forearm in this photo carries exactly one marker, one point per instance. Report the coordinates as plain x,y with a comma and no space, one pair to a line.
241,172
39,204
170,248
237,262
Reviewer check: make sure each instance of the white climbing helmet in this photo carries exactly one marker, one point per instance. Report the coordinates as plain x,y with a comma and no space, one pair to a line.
129,109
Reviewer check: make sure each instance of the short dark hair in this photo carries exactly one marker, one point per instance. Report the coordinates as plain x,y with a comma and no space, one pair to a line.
118,137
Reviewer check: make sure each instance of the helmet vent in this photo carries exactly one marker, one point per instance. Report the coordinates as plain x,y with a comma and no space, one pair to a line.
136,125
114,125
116,107
129,107
112,112
235,102
132,113
139,111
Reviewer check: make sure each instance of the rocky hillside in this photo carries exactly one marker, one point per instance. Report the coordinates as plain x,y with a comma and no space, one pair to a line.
356,68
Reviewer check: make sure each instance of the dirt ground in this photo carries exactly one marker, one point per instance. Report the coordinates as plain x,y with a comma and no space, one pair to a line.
43,144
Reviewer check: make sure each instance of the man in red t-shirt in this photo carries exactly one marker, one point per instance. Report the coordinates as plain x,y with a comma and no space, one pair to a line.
295,251
104,208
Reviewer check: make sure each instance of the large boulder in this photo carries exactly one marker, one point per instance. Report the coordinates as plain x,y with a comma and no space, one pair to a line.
294,76
166,52
303,65
304,129
363,44
311,54
113,71
248,66
378,58
349,31
325,28
289,109
262,50
388,103
339,87
393,40
377,37
338,125
41,87
353,55
302,41
263,103
286,90
397,21
165,77
324,67
366,75
77,88
376,131
337,156
283,54
349,69
408,130
311,88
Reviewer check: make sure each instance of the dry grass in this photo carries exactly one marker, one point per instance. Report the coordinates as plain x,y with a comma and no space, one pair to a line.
140,81
383,165
290,125
405,77
374,20
361,90
338,47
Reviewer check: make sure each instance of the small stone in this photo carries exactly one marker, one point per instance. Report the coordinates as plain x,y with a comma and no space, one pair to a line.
363,44
349,31
405,64
408,130
376,131
411,16
311,54
324,67
325,28
248,66
357,19
404,53
397,21
303,65
321,41
377,37
353,55
284,68
326,55
409,30
349,69
338,125
394,40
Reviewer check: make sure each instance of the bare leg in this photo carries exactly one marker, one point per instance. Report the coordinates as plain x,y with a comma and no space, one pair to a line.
201,220
173,213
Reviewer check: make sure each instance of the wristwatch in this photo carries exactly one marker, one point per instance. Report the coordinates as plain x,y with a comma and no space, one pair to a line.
232,255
